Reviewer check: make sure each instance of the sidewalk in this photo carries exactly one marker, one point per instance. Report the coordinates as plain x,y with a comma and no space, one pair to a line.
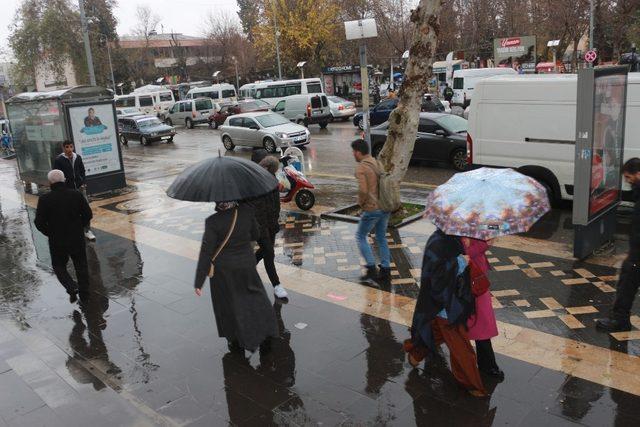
144,350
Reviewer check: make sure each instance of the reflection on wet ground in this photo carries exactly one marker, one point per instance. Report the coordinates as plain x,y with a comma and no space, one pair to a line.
142,350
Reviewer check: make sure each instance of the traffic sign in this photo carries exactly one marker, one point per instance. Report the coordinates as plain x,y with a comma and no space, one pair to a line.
590,56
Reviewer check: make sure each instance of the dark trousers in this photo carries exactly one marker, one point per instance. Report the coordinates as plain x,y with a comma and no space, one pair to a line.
486,356
59,258
266,252
626,290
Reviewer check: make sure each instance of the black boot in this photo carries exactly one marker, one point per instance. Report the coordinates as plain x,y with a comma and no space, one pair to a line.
384,275
612,324
370,274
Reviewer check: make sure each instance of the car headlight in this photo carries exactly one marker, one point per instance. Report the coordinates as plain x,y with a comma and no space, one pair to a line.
282,135
154,133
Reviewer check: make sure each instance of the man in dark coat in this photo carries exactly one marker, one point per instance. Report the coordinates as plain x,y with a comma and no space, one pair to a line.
267,211
61,216
71,164
447,93
619,319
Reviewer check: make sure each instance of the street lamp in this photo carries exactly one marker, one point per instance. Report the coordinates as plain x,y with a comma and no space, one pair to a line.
87,44
361,30
301,66
553,44
277,33
106,41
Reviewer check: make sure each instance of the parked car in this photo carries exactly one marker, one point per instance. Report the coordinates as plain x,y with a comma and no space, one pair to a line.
262,129
190,112
305,109
127,112
216,119
378,114
441,137
340,108
145,129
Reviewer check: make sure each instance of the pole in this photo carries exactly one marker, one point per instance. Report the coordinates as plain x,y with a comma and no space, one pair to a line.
302,72
555,65
113,81
237,77
592,7
277,34
391,81
364,77
87,43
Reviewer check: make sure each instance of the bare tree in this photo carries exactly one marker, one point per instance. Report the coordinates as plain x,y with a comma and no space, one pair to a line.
228,43
146,22
403,122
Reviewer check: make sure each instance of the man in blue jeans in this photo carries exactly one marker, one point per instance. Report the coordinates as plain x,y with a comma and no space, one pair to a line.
372,218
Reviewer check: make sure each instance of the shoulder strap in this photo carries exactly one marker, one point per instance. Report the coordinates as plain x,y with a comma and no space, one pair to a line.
226,239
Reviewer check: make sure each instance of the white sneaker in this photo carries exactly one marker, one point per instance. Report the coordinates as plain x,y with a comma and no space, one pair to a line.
279,292
89,235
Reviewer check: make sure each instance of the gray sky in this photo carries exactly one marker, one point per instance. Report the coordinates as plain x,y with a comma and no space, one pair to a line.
180,16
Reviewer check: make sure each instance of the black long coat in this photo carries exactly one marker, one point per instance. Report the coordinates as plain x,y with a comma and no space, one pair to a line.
74,174
241,306
62,215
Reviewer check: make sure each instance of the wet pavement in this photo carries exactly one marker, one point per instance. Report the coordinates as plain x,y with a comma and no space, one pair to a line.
143,350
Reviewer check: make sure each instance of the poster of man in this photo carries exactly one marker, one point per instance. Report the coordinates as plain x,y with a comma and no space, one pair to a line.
91,119
608,134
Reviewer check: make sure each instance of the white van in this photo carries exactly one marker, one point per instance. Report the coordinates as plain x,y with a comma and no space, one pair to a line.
222,93
464,82
305,109
154,103
529,123
273,92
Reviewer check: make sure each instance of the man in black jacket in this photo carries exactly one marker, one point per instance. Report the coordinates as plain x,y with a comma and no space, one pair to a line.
61,216
630,274
71,164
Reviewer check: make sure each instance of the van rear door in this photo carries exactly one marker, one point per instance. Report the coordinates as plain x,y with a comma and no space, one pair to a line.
458,90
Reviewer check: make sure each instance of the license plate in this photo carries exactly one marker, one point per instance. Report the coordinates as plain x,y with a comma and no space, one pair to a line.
300,138
315,113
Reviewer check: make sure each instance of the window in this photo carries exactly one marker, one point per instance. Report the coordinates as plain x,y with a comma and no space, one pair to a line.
203,104
145,101
314,88
235,122
427,126
280,106
268,120
453,123
268,92
324,101
175,108
182,105
224,109
228,93
280,91
293,89
248,123
129,101
166,97
386,105
458,83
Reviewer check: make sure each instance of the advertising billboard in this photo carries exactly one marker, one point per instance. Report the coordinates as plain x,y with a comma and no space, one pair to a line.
95,136
515,52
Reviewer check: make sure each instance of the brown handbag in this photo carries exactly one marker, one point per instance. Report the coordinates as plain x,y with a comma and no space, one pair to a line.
224,243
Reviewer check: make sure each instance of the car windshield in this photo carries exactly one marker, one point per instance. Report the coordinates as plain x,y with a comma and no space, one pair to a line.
270,120
228,93
129,110
453,123
149,123
336,99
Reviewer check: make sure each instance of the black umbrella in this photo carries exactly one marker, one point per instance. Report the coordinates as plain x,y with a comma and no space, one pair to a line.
222,179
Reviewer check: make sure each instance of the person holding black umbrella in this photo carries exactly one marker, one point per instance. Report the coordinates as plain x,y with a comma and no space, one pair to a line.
243,312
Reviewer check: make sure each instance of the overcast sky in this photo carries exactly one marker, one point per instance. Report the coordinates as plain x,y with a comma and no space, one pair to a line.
180,16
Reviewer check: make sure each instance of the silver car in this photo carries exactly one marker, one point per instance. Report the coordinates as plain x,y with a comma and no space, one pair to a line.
262,129
340,108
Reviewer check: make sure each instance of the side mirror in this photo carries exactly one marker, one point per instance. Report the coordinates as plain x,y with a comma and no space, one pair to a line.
254,127
440,132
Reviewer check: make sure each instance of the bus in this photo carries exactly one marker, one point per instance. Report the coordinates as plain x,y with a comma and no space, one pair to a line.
273,92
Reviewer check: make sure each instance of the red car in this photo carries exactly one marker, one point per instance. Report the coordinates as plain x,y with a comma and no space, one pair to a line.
247,106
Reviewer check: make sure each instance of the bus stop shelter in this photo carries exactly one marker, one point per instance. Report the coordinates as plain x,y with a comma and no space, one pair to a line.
85,115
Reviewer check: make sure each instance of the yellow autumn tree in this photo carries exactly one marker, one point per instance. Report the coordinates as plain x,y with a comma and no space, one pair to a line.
310,30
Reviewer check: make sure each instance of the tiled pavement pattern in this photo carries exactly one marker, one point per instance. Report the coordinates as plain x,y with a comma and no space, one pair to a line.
549,294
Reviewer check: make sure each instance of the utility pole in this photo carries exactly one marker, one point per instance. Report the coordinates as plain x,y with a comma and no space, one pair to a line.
592,8
364,78
113,82
235,61
277,34
87,43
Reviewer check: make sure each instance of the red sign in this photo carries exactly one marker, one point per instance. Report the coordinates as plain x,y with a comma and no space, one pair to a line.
513,41
590,56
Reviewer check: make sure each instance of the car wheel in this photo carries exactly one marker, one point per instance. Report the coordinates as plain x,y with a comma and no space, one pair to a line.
360,124
215,125
270,145
123,140
170,140
553,200
228,144
323,125
188,123
459,159
168,122
143,140
375,152
305,199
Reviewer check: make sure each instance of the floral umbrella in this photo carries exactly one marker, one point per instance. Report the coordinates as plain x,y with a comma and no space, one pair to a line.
486,203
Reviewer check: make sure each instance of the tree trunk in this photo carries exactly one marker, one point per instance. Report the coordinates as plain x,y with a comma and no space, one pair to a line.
403,122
